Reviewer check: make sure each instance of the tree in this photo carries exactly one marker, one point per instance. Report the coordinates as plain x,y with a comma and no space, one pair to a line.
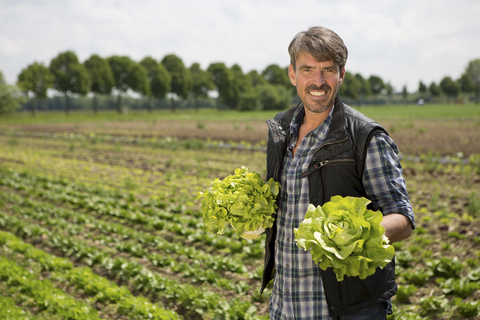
350,87
36,78
256,79
101,77
466,85
223,79
473,72
202,83
249,101
69,76
181,78
422,88
128,75
364,89
274,97
435,90
389,88
9,97
376,84
277,76
449,87
405,94
240,85
158,78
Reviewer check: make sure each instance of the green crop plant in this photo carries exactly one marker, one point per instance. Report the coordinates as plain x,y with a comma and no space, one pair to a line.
419,277
474,275
404,293
432,305
457,235
445,246
9,311
403,315
446,267
403,258
43,294
467,309
474,205
345,235
474,161
420,230
426,254
242,199
413,249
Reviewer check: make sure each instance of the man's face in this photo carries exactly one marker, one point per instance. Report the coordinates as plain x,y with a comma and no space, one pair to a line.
317,82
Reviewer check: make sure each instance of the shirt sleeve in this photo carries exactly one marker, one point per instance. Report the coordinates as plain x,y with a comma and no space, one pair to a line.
383,178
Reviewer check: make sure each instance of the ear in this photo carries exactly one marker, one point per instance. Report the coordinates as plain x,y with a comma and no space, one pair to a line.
291,75
342,75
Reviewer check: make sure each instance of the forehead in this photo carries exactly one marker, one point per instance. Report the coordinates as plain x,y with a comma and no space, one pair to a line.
306,59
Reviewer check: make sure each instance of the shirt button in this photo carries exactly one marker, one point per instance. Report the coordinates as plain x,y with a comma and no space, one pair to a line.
288,239
287,290
288,265
290,214
290,189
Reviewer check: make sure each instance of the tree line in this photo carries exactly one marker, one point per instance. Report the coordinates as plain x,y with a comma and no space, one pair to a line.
356,87
269,89
154,79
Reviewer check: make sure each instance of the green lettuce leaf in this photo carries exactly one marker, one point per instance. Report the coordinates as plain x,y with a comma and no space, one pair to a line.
243,200
344,235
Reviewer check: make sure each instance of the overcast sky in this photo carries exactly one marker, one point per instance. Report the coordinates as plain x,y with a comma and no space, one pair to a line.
401,41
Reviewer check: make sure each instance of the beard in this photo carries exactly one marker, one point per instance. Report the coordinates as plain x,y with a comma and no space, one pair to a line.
317,106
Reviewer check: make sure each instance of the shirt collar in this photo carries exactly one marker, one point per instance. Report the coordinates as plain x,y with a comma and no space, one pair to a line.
297,121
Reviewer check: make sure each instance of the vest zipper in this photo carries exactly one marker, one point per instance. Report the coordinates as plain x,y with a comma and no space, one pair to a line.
329,143
320,164
337,160
316,166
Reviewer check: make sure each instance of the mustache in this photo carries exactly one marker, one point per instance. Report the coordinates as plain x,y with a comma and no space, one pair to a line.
315,87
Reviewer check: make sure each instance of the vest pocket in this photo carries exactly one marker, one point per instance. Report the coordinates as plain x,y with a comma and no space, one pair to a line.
338,162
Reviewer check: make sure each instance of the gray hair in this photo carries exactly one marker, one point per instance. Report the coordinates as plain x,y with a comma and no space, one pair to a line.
322,43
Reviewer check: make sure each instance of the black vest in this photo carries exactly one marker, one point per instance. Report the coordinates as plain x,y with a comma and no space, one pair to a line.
336,169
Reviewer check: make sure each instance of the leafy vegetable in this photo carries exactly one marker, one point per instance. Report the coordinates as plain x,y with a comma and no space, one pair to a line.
344,235
244,200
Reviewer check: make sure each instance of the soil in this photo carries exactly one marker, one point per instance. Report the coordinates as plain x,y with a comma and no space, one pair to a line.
435,137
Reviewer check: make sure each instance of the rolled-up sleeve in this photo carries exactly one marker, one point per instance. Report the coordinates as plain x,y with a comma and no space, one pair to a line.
383,178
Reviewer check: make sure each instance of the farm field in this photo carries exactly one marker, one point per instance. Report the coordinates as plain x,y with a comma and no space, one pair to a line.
99,217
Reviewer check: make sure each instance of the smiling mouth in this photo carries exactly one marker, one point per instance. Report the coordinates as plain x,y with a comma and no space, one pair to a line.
317,93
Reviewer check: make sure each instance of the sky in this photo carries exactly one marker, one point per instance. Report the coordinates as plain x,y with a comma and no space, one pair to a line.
401,41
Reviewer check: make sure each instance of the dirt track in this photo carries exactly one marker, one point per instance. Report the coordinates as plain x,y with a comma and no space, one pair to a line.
413,137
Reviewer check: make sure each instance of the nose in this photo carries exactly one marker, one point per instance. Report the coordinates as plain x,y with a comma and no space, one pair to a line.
318,77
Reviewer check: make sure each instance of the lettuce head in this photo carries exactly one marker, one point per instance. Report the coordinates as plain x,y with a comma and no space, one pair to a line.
344,235
243,199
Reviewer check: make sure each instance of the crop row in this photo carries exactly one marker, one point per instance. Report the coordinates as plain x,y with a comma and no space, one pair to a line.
124,269
134,202
139,277
10,311
204,267
134,168
146,213
48,296
44,294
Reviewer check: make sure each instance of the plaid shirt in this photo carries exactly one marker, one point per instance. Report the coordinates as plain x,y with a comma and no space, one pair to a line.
297,289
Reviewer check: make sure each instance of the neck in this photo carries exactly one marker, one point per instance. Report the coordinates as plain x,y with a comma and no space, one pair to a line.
312,119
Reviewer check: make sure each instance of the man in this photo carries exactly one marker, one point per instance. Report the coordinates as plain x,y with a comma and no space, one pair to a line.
319,149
